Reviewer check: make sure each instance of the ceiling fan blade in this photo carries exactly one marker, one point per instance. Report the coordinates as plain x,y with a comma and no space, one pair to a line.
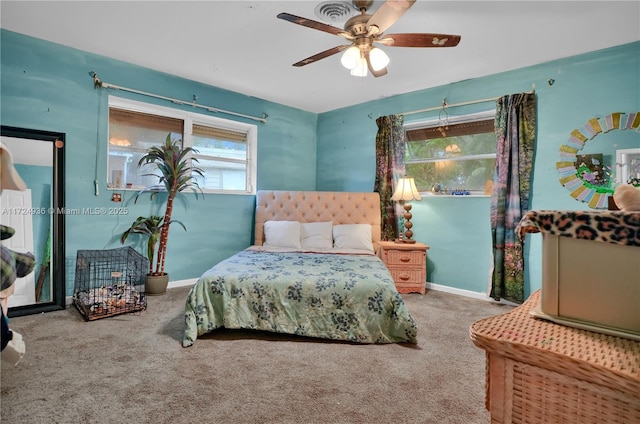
322,55
420,40
375,73
311,24
387,14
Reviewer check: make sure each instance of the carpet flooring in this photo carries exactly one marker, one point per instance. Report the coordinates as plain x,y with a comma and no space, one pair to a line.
133,369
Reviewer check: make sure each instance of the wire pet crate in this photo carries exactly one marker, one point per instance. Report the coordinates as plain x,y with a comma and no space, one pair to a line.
110,282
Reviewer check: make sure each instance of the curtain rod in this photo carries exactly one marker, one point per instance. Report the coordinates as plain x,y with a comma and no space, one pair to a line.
471,102
446,105
99,83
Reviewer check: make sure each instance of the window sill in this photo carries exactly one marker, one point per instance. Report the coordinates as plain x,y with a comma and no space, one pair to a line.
112,188
448,196
204,191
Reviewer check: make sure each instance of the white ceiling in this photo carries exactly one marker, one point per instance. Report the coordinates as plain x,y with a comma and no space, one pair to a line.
242,46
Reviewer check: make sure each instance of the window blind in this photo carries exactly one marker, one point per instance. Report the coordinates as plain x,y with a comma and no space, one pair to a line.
145,120
454,130
219,133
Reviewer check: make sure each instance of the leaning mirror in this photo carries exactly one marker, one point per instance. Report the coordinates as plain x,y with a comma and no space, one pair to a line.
36,215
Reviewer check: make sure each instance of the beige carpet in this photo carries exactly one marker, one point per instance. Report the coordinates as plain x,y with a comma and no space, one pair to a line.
133,369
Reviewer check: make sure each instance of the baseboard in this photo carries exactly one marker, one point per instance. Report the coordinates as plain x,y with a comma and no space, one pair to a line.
460,292
469,293
430,286
182,283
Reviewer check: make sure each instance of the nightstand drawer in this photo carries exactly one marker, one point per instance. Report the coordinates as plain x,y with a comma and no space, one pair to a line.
404,257
408,276
407,264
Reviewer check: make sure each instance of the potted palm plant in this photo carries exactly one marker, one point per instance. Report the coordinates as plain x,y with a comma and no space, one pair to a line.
177,174
151,228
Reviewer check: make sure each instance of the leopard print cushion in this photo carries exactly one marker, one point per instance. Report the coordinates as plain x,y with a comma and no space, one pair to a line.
616,227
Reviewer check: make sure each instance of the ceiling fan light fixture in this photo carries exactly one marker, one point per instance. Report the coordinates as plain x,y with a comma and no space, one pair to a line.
378,58
361,69
350,57
362,30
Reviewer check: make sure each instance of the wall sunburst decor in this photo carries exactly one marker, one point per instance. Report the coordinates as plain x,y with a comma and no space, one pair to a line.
574,169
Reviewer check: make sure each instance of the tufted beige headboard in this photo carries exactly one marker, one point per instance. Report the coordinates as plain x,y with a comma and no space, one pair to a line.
318,206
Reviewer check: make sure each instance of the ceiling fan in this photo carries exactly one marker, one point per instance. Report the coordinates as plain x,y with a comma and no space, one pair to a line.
364,30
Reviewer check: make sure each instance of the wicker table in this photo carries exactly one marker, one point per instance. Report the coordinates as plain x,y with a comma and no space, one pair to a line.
542,372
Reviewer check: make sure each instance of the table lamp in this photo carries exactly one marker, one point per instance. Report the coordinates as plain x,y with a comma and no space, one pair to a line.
405,191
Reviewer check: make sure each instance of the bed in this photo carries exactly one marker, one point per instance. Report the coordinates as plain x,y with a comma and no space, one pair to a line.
312,271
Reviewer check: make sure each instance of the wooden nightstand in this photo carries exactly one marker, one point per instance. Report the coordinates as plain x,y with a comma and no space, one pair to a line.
407,264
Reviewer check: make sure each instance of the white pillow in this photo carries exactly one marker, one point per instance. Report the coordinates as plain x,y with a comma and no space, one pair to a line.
317,235
282,234
353,236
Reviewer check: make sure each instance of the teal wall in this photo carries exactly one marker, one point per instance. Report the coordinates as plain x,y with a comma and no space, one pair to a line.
457,228
48,87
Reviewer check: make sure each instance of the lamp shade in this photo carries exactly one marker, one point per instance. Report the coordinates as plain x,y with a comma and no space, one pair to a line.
361,69
378,59
406,190
350,57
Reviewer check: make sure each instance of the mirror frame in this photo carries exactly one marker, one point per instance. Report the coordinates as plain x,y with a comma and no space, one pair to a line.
58,276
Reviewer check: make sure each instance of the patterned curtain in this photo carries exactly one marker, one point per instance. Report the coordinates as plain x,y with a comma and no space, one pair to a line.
515,127
390,167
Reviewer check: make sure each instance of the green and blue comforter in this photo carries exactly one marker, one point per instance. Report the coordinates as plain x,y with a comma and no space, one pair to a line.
324,295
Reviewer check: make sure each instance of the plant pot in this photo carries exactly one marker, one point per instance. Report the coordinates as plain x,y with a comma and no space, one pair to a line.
157,284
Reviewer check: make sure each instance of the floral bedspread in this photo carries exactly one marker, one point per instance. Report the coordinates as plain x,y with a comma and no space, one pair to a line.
617,227
331,296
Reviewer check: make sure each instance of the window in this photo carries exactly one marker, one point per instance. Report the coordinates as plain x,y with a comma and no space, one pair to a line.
226,150
459,155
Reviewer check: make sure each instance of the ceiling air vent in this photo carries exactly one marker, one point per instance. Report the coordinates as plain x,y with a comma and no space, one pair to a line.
334,11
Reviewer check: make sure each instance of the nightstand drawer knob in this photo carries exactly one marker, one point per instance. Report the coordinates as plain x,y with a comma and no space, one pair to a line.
405,259
404,277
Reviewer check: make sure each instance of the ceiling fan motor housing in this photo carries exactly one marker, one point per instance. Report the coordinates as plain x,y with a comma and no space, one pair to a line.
357,25
362,4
